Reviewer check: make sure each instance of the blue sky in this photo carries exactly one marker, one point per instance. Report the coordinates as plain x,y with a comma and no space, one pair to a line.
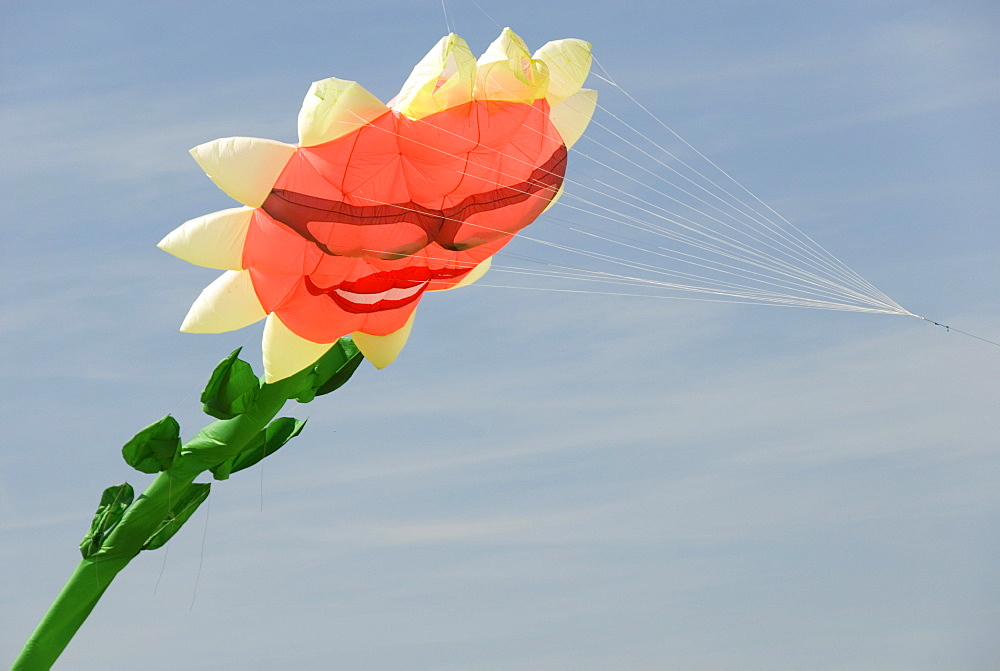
542,480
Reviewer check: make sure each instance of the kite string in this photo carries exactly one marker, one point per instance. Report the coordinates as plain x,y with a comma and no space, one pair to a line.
610,80
747,291
949,329
845,274
729,215
565,248
447,19
163,568
776,265
816,289
201,556
806,247
801,255
711,163
843,308
800,276
487,14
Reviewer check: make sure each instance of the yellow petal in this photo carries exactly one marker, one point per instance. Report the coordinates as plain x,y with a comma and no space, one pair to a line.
506,71
383,350
473,275
227,304
569,63
213,240
442,79
244,167
571,116
555,198
333,108
286,353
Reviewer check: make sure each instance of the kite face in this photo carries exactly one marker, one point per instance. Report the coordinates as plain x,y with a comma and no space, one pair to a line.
378,204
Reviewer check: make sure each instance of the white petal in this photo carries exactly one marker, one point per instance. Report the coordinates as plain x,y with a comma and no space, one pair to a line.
571,116
286,353
506,71
383,350
569,63
508,46
213,240
244,167
443,78
227,304
333,108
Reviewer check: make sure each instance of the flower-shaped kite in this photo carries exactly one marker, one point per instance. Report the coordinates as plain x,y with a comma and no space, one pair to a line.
344,232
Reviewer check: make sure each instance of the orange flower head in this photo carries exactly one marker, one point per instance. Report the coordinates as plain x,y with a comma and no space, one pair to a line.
345,232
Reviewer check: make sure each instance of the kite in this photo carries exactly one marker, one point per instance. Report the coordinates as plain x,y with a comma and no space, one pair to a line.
337,240
380,203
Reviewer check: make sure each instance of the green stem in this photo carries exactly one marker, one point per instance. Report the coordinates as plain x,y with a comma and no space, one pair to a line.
212,445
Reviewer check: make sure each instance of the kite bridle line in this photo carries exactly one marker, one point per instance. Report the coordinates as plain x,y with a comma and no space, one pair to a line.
849,274
608,78
888,306
749,293
761,296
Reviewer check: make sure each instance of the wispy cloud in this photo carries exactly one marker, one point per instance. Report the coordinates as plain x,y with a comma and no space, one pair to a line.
540,481
908,68
130,135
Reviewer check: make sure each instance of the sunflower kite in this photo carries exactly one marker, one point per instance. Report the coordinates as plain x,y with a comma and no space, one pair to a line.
379,203
340,235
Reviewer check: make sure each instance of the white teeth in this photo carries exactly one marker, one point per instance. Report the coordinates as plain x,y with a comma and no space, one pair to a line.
394,294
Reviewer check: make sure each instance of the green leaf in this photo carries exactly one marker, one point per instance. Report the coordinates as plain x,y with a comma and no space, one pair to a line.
332,370
232,388
154,448
113,503
179,513
265,443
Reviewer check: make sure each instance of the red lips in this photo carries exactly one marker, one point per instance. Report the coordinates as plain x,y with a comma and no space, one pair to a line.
384,290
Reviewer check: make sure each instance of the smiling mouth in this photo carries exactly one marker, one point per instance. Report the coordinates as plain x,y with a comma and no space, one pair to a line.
383,300
383,291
